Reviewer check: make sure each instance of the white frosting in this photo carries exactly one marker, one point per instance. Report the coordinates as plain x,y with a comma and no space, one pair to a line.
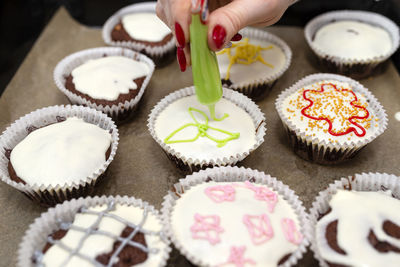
176,115
358,213
235,232
353,39
60,153
108,77
145,27
97,244
241,73
295,102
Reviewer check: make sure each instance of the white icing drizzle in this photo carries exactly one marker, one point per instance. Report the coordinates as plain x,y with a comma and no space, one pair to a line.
145,27
358,213
94,231
108,77
176,114
353,39
60,153
235,234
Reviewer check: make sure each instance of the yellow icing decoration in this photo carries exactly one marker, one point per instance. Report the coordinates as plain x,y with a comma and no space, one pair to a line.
245,53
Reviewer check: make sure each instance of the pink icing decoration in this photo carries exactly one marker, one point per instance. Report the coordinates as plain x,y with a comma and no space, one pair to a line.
290,231
221,193
206,227
236,257
261,230
264,194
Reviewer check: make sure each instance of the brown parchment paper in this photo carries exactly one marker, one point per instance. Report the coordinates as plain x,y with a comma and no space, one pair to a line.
141,169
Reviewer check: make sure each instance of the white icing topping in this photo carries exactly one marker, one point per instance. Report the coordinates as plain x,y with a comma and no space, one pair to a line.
64,152
97,244
353,39
234,232
145,27
108,77
295,102
176,115
241,73
358,213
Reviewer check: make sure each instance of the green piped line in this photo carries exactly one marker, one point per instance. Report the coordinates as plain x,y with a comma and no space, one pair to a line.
212,113
202,128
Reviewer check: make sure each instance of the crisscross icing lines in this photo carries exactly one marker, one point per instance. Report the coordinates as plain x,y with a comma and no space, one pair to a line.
341,109
207,227
259,227
221,193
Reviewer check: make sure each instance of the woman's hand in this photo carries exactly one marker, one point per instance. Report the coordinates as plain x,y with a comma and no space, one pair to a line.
226,18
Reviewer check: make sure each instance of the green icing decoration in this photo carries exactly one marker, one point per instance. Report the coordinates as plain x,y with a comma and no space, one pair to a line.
202,128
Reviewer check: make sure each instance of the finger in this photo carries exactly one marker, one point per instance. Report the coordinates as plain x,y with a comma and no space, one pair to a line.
179,18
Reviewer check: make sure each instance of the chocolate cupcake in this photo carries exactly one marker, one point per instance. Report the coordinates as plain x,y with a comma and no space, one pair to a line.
57,153
355,222
99,231
353,43
137,27
235,216
111,80
329,118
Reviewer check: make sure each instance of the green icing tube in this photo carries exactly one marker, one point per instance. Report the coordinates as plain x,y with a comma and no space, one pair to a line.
206,77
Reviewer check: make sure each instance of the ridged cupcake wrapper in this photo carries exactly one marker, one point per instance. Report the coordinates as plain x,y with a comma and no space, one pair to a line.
45,194
189,165
157,53
318,150
36,235
261,87
358,182
119,112
358,68
233,174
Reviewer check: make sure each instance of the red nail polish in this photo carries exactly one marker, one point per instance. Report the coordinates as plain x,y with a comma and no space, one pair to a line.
180,55
236,37
218,36
180,35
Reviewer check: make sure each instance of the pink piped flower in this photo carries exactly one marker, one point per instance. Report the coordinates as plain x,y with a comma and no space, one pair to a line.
262,193
259,227
221,193
290,231
207,227
237,258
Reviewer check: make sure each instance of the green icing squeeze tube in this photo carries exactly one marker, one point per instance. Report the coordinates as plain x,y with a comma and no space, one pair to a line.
206,77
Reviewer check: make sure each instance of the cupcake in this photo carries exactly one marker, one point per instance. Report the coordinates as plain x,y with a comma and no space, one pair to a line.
99,231
57,153
253,65
234,216
354,43
137,27
109,79
193,141
355,222
329,118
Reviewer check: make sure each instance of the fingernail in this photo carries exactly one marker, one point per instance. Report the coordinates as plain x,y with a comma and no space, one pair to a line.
180,35
218,36
180,55
236,37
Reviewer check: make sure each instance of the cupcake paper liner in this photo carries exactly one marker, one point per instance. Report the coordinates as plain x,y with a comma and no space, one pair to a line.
119,112
357,68
188,165
262,86
233,174
358,182
321,151
161,55
16,132
36,235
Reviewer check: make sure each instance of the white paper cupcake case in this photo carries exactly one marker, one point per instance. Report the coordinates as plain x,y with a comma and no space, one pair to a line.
157,53
189,165
358,68
118,112
16,132
358,182
322,151
36,235
260,87
233,174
